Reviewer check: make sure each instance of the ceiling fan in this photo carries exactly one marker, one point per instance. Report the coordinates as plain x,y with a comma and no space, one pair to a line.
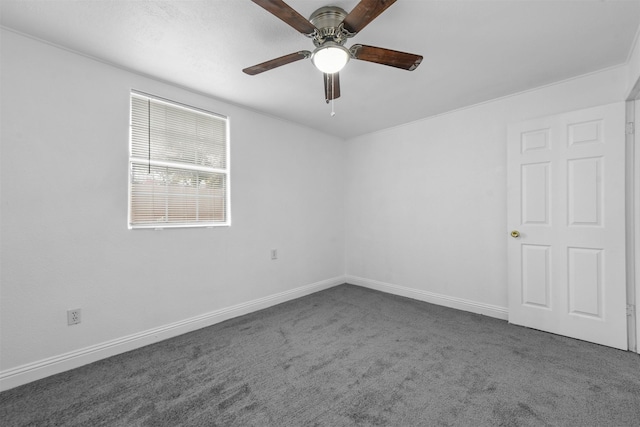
329,27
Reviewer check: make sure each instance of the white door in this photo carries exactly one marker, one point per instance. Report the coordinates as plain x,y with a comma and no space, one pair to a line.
566,200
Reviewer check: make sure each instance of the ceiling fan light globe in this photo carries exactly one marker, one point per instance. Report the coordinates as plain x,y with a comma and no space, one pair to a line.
330,59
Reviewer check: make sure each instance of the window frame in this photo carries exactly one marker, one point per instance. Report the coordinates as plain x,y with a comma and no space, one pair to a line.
138,160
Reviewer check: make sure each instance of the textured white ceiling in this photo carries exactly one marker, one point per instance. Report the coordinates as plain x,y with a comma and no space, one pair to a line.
473,51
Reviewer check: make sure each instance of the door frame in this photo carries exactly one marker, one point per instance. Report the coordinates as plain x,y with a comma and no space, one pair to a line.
632,166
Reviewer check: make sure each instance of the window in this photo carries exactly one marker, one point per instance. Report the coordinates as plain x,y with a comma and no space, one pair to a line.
178,164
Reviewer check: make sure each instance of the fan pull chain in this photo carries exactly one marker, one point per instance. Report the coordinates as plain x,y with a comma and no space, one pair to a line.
333,82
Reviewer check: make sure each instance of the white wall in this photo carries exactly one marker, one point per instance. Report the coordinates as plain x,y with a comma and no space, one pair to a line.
426,202
65,242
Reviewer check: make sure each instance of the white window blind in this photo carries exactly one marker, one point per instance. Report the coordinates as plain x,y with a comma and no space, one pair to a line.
178,160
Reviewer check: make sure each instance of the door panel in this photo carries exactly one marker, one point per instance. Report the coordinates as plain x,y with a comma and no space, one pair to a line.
535,193
585,282
585,192
536,275
566,199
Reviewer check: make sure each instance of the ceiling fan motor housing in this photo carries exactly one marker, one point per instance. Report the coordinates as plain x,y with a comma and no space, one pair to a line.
328,21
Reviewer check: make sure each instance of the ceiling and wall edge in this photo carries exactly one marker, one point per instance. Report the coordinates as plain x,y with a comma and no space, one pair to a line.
630,55
160,80
494,100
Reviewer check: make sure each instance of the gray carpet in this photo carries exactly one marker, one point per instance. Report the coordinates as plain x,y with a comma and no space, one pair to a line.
344,356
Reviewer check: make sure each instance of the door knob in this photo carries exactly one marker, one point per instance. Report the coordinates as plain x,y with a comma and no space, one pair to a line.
515,234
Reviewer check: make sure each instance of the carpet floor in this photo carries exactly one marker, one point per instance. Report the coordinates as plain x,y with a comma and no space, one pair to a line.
341,357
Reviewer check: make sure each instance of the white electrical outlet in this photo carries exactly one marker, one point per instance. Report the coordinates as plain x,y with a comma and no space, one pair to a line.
274,254
74,316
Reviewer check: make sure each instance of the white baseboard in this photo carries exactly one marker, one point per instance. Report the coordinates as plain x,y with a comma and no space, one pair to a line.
433,298
24,374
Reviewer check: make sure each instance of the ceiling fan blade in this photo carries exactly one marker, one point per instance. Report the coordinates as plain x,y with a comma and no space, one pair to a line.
285,12
277,62
393,58
331,86
365,12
